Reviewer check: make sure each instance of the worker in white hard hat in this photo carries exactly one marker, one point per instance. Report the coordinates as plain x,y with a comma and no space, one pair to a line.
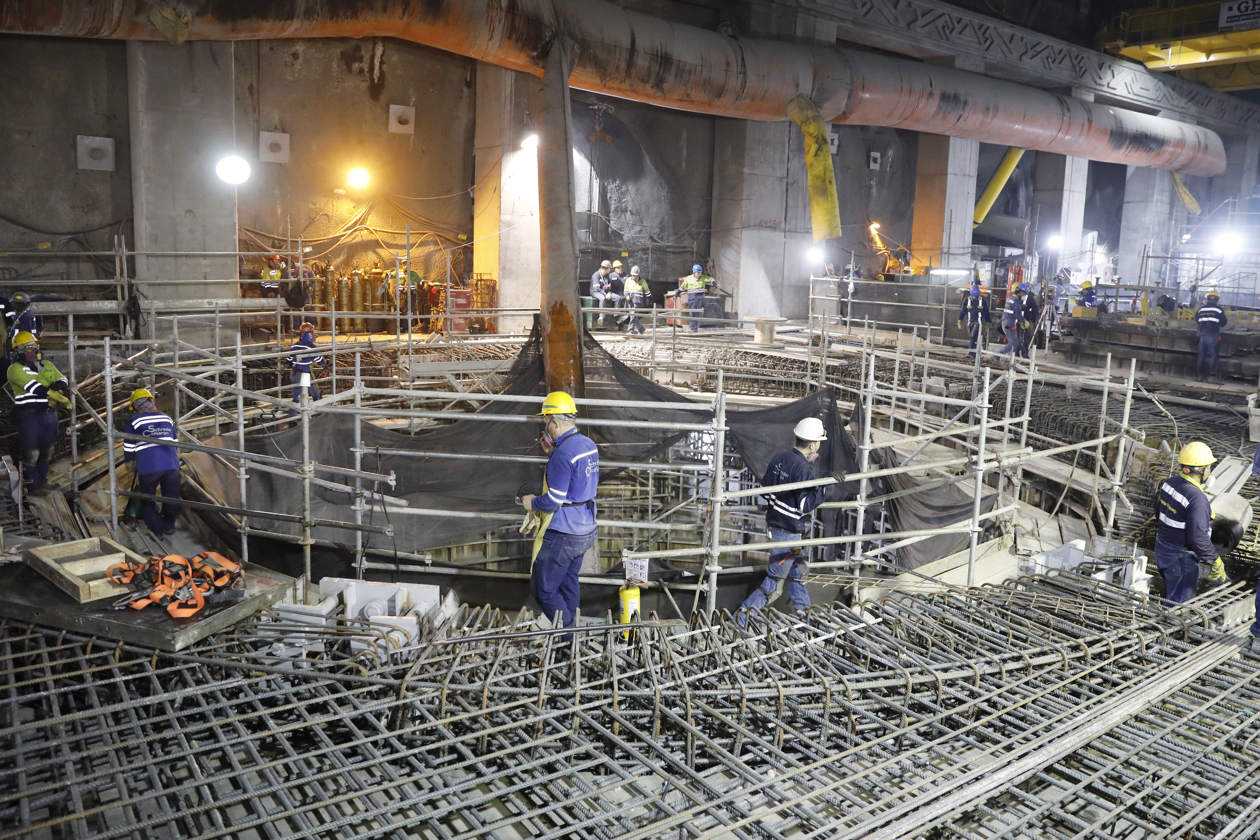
1185,525
601,285
636,298
1211,320
565,529
788,517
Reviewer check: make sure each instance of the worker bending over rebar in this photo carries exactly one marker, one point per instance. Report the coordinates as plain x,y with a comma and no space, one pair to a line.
787,517
1185,526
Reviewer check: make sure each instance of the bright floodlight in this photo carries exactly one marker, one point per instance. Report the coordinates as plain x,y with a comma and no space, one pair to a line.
874,225
815,255
1055,242
1229,243
358,178
529,141
233,169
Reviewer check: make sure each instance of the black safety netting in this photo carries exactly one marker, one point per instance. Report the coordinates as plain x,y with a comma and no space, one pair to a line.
453,469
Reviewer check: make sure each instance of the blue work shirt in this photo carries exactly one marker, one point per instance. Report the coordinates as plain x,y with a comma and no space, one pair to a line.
1088,298
572,476
302,354
1185,518
1211,319
975,310
25,321
790,510
151,457
1012,313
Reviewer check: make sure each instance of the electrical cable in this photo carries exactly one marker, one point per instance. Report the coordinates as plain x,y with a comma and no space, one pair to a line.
68,233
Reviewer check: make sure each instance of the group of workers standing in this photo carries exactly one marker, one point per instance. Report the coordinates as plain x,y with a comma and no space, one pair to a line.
1020,317
612,289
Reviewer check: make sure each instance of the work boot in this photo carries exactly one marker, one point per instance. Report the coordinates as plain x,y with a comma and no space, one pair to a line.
1255,644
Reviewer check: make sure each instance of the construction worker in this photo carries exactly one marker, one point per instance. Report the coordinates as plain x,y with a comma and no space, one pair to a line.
1168,305
272,276
157,464
1088,297
37,386
601,285
1031,315
20,316
616,292
974,314
303,354
636,298
1013,319
567,505
695,285
1211,319
787,517
1185,525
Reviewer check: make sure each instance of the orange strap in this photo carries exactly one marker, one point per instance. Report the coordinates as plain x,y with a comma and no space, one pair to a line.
175,582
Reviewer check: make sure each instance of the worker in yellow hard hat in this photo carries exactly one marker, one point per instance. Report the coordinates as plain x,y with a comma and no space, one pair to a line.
157,463
567,507
1185,525
1088,297
37,388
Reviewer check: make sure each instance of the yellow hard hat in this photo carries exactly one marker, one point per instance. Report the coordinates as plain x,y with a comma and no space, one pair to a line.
1086,285
24,338
557,402
1196,454
139,394
616,263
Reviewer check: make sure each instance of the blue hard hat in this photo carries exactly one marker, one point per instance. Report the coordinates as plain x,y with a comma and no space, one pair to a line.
1022,287
975,291
697,267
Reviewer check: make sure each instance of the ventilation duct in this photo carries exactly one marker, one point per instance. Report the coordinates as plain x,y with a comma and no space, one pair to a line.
639,57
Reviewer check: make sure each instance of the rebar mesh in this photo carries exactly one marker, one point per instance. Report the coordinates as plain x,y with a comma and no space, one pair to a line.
1056,707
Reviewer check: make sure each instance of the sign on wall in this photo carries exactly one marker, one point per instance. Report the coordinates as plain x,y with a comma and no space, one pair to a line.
1240,14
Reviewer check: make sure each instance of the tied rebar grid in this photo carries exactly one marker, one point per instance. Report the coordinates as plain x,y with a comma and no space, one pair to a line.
1057,707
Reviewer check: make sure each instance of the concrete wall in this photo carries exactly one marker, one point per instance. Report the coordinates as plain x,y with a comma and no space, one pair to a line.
332,97
51,90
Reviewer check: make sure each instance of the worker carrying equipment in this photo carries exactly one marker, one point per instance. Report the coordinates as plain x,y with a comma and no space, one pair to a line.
567,529
695,285
37,386
302,354
788,516
1211,319
157,464
1185,523
181,585
974,315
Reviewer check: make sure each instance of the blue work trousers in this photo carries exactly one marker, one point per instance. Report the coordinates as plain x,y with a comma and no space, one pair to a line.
168,482
606,300
785,563
1209,355
974,331
1180,571
1255,627
695,302
295,377
635,300
1012,340
37,434
554,579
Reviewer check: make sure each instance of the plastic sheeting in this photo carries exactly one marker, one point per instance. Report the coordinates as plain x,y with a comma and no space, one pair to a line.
930,506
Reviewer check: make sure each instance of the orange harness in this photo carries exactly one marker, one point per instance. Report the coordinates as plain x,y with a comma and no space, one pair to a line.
182,586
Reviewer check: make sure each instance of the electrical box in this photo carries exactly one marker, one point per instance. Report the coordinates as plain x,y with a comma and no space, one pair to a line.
872,160
402,119
273,147
95,153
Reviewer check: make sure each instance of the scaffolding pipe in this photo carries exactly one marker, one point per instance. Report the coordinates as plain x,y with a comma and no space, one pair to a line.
978,495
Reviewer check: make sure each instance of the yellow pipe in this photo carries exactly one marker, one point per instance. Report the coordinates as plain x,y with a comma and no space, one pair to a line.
824,204
991,192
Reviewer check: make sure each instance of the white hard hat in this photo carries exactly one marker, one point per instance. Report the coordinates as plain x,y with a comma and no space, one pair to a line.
605,264
634,272
811,428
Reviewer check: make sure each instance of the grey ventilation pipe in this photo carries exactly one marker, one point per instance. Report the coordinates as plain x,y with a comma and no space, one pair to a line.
647,59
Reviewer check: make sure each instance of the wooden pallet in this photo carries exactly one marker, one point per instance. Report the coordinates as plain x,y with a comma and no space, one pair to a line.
79,568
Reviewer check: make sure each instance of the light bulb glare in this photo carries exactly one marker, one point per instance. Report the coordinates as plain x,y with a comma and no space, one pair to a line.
529,141
233,170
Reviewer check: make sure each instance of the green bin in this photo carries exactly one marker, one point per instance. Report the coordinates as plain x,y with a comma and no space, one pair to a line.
589,317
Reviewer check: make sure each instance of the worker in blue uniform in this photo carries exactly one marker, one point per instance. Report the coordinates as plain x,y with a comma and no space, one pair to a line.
1211,319
157,464
601,288
787,517
20,317
1185,525
566,530
303,354
1088,296
974,316
1013,319
1031,315
37,387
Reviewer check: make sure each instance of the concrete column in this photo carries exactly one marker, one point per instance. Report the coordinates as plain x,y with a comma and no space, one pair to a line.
1059,210
761,217
1239,180
944,201
181,113
505,201
1150,210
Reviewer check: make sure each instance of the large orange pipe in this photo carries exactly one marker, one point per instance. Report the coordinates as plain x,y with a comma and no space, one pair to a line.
639,57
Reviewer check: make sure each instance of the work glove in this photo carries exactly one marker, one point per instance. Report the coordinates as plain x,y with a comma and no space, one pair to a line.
63,387
1217,575
531,523
960,325
1023,325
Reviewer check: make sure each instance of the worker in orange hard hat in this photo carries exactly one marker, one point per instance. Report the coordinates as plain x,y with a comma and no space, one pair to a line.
564,526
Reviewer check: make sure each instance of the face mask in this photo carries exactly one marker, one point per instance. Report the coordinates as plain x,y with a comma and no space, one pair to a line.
32,356
812,458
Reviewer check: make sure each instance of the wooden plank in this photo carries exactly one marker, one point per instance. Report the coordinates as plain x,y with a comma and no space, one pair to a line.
78,568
